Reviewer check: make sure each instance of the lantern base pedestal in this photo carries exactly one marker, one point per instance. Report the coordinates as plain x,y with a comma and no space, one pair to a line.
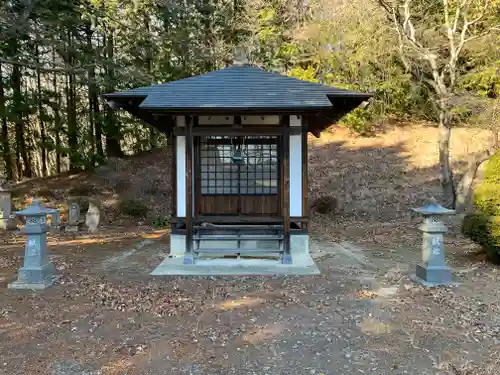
32,286
34,278
72,228
55,229
433,276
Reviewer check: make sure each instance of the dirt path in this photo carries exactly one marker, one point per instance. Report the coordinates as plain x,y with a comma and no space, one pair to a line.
361,316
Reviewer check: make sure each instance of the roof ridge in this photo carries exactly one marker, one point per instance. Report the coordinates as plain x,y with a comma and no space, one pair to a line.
247,67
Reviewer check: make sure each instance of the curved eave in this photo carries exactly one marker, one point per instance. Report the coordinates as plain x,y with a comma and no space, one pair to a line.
237,110
349,95
318,117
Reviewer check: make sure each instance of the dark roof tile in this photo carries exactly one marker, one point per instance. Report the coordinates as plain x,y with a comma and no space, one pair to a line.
237,87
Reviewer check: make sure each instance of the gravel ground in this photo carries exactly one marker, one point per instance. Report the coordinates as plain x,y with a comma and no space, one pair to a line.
361,316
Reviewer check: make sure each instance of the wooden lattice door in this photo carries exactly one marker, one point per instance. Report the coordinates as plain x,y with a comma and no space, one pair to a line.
237,175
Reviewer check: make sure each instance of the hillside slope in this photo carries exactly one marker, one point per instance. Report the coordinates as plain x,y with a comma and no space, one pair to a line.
384,176
378,178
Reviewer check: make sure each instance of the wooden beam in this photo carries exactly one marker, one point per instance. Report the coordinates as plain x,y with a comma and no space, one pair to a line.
230,219
248,141
245,130
196,174
305,182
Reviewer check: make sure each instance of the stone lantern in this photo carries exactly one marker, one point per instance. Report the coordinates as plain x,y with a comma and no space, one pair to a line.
37,272
433,271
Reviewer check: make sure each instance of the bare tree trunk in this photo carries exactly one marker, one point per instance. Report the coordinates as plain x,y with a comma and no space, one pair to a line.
57,118
41,115
58,136
446,173
153,137
91,91
74,160
98,122
112,130
22,159
7,159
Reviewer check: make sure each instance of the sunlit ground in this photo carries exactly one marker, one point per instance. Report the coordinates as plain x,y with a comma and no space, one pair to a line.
418,142
259,335
242,302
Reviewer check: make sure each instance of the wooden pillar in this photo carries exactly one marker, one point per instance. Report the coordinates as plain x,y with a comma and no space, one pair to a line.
173,150
285,163
189,256
305,177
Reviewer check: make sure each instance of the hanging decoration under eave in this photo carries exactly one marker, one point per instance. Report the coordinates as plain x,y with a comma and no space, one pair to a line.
237,155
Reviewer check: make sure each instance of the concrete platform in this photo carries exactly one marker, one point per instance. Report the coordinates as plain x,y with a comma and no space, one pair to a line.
174,266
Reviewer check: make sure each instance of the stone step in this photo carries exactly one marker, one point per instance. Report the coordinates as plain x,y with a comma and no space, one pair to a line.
230,237
237,250
245,227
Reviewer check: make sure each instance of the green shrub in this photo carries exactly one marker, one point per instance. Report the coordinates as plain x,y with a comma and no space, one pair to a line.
492,171
487,193
485,231
160,222
132,208
121,186
359,121
487,198
325,204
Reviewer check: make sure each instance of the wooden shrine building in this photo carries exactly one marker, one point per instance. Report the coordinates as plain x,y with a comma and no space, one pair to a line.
239,166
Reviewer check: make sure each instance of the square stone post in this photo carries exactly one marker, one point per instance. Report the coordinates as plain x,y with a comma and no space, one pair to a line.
6,221
433,271
73,224
37,272
55,221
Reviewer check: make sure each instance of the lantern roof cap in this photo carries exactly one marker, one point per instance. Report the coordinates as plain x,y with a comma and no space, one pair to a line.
433,208
34,209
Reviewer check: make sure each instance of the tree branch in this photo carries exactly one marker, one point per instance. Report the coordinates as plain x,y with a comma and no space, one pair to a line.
483,34
45,69
15,25
408,25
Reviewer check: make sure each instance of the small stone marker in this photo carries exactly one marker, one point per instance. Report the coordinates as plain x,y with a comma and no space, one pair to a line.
92,218
37,272
73,217
55,219
6,221
433,271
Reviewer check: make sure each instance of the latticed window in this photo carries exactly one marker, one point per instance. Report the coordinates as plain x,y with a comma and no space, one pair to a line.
239,165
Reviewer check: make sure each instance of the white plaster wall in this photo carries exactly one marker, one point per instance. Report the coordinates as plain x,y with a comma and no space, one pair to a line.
215,120
180,121
245,120
181,170
260,120
295,169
